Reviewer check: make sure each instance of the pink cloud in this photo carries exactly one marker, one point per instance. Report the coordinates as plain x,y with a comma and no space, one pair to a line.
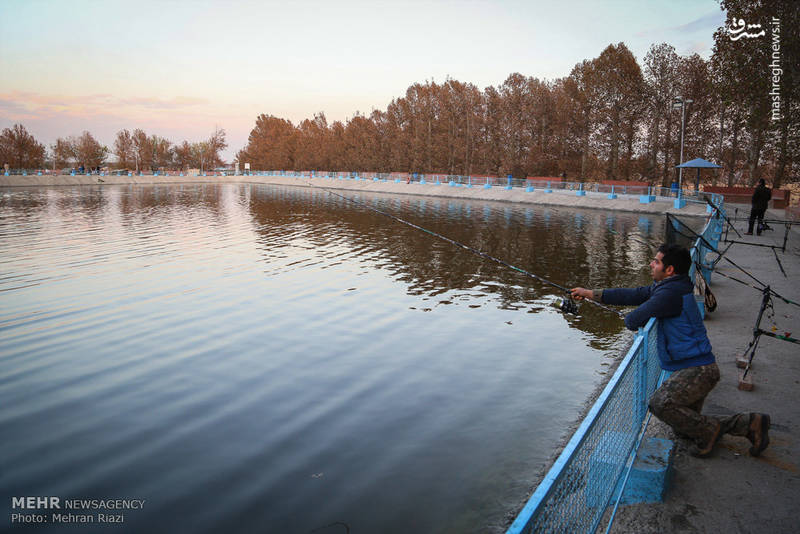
48,117
159,103
24,105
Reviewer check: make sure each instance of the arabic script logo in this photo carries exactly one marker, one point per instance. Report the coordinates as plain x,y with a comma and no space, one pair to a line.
737,30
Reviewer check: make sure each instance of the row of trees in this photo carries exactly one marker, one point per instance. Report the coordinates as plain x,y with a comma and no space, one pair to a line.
610,118
83,151
133,150
137,150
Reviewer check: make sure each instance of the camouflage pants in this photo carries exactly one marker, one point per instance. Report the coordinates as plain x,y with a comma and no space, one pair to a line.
679,403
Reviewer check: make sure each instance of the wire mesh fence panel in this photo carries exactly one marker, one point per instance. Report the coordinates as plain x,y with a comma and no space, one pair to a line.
577,489
595,457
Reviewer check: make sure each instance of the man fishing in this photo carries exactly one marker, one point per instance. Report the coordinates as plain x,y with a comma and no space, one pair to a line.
684,349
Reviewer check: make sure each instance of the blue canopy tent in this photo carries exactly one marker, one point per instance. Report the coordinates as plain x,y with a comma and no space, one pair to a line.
697,163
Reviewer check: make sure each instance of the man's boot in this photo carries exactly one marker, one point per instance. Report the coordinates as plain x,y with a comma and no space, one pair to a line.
758,433
702,450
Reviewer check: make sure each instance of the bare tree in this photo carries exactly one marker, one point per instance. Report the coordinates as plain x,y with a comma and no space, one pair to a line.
216,144
89,152
123,148
19,149
162,152
182,155
200,154
142,150
63,152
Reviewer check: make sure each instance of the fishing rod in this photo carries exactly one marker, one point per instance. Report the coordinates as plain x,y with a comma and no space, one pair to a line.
712,248
567,304
766,305
759,289
720,254
721,214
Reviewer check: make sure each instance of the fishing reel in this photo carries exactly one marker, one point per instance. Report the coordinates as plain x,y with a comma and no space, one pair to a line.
569,306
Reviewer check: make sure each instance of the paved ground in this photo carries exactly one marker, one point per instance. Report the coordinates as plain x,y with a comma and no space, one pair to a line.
731,491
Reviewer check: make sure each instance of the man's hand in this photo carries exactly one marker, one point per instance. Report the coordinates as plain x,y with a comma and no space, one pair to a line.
579,293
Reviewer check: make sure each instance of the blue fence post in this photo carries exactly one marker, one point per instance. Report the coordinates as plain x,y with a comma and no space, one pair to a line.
641,398
612,195
508,187
679,202
529,189
580,192
548,189
469,181
487,185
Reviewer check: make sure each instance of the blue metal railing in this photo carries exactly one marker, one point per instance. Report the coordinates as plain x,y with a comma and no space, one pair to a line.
529,185
586,477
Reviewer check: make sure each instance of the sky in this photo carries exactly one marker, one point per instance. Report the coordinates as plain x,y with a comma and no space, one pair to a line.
178,69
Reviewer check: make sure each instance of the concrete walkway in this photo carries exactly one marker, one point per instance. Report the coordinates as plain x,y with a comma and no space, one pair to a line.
731,491
592,200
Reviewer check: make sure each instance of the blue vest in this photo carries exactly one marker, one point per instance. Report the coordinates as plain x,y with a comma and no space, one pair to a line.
682,340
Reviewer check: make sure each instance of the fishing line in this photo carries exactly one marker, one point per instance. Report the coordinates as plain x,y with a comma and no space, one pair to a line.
759,289
721,214
711,247
567,305
714,250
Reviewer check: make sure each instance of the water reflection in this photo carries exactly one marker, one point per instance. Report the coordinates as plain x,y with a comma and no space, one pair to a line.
569,248
260,358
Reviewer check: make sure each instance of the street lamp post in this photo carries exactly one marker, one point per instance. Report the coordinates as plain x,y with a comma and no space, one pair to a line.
680,102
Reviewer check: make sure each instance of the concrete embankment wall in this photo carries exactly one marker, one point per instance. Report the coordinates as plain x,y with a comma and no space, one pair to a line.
558,198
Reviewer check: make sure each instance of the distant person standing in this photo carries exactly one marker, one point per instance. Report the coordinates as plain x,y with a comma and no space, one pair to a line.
759,202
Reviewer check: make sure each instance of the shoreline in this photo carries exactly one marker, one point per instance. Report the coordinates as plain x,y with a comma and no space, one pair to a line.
498,194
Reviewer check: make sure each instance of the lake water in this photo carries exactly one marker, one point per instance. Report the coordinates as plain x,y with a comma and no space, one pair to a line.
278,359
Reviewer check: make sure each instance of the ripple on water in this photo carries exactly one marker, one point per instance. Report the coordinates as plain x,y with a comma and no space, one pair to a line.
254,358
